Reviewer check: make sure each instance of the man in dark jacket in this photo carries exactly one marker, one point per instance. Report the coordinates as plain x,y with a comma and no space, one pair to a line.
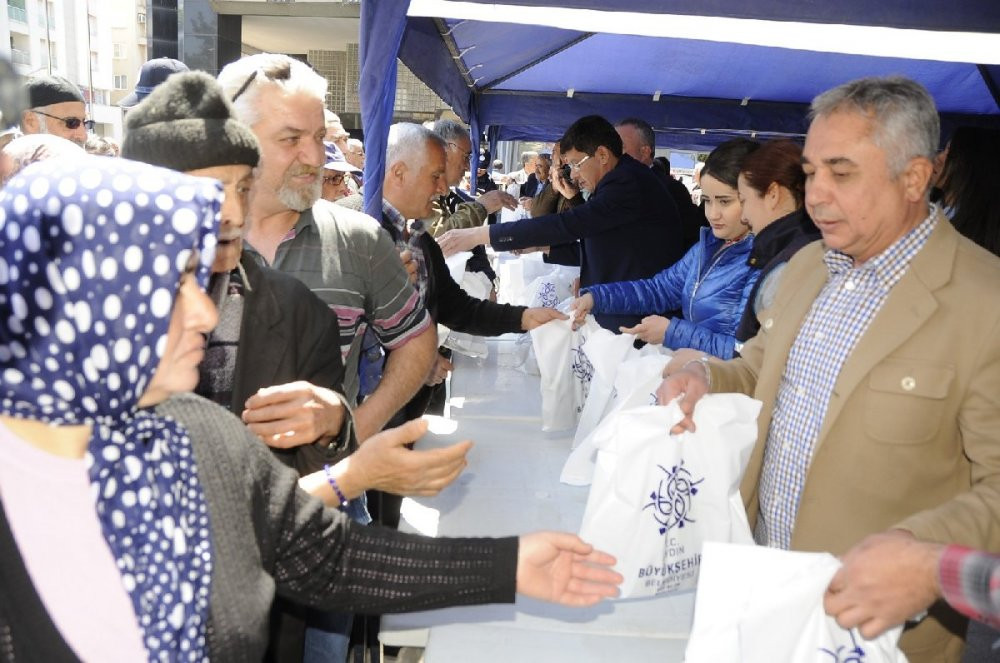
639,142
628,229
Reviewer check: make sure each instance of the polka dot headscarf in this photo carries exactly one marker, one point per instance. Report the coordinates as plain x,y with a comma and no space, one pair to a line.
91,253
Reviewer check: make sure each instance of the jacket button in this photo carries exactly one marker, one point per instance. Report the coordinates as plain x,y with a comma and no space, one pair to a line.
908,383
768,323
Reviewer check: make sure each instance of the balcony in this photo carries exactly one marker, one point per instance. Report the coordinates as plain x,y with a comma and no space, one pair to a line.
17,14
19,57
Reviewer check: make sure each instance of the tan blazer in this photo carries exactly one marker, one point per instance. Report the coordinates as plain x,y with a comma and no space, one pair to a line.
911,437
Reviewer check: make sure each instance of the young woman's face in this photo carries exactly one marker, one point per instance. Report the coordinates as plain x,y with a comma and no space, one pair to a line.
722,208
193,316
755,212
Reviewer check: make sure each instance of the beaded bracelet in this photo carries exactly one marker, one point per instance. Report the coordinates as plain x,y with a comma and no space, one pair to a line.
336,488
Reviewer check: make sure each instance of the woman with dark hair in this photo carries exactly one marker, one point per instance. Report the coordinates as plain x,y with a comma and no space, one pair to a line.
772,193
710,284
139,522
969,183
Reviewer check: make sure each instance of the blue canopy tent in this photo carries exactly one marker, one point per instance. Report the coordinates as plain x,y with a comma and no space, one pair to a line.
507,67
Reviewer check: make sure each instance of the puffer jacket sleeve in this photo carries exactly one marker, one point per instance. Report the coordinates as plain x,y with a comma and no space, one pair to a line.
686,334
663,292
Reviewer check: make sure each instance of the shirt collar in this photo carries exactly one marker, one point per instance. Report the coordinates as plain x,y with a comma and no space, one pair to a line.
889,265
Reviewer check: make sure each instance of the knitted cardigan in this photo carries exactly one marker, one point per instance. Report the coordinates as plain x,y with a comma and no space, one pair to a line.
271,538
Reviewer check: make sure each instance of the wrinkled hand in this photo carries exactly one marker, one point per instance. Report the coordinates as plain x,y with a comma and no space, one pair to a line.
439,372
536,317
580,307
885,580
496,200
680,358
385,463
561,568
406,256
652,329
692,382
292,414
463,239
526,202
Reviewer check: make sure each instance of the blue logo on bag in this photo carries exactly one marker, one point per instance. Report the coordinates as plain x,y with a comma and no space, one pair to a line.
547,295
671,501
855,654
582,368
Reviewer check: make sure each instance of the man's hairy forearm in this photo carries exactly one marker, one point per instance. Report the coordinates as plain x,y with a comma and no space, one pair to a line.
406,368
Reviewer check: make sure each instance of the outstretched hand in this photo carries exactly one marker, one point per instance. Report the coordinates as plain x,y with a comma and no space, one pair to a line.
562,568
463,239
536,317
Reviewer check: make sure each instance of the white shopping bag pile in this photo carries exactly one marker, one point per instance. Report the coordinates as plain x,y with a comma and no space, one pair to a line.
761,605
565,370
656,497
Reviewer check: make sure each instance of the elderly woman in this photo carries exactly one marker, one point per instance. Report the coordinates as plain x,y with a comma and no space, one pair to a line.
710,284
140,522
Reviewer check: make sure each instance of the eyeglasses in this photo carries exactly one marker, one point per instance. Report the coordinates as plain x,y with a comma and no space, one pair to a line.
576,166
465,155
70,122
334,179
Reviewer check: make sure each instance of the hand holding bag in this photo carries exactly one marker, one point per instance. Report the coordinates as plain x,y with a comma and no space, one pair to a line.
760,605
657,497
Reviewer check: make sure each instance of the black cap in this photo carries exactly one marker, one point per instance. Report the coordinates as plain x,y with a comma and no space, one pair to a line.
187,124
152,73
48,90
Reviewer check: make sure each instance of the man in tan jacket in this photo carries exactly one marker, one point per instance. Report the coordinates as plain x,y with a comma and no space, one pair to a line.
879,368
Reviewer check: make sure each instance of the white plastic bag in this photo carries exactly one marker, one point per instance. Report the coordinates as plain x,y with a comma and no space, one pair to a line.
759,605
606,351
657,497
565,370
635,383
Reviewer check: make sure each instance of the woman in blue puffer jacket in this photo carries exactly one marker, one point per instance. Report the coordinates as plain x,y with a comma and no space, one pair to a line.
710,284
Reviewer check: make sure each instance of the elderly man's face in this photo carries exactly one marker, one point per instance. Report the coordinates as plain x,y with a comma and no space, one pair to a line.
858,207
57,127
457,159
422,183
632,145
290,131
542,166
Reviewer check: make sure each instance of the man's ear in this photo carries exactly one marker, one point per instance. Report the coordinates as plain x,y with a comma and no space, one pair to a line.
29,122
396,172
916,178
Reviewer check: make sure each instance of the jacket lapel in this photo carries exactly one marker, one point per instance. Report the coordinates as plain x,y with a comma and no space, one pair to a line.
263,341
907,308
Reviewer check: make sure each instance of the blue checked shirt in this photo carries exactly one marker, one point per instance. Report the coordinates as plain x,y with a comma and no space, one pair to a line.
840,315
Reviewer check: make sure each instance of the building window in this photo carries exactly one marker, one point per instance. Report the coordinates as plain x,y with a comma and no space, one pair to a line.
140,18
119,51
121,82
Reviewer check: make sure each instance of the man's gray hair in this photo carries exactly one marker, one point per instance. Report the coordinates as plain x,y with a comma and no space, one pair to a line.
246,78
408,143
528,156
354,142
904,118
645,130
450,130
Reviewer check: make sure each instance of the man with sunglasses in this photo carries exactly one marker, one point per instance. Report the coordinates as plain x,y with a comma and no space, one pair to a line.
57,108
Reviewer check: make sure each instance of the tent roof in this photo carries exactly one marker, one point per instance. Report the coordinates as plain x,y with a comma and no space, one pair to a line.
517,76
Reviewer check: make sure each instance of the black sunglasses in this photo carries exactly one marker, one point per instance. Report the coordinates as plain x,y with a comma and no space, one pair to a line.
282,72
70,122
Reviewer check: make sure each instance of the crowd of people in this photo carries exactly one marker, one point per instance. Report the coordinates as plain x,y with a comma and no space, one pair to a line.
848,283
